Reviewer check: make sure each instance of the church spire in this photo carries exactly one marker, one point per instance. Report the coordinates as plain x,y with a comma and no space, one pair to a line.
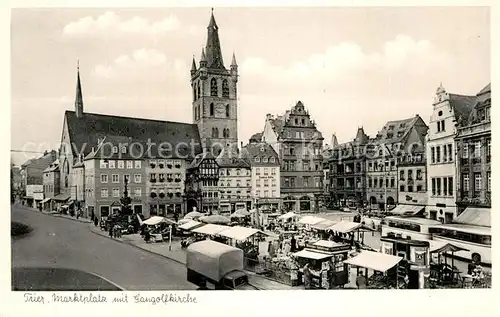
203,58
193,67
233,61
213,50
79,97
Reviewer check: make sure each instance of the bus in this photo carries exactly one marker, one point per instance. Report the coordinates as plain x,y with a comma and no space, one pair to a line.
413,228
476,239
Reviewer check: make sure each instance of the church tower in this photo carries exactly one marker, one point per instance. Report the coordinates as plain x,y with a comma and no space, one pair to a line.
214,89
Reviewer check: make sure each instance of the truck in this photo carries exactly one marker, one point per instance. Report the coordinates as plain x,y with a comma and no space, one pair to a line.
216,266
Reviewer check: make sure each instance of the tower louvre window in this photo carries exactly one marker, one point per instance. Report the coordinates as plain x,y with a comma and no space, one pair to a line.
227,111
211,109
214,91
225,89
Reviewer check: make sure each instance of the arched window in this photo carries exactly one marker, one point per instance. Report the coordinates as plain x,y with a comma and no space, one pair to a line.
199,90
211,109
195,113
215,133
227,111
194,92
225,89
213,87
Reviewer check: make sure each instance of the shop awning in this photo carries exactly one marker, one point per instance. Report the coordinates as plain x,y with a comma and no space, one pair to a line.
210,229
190,225
239,233
328,244
62,197
157,220
312,255
310,220
46,200
466,228
475,216
407,210
376,261
441,247
288,215
323,225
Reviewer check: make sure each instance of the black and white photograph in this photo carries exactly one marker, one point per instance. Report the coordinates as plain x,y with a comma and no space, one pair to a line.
250,148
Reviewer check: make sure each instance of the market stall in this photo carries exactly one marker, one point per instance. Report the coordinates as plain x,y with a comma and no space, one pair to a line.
289,217
192,224
310,220
245,239
159,228
211,231
319,265
445,273
384,264
345,231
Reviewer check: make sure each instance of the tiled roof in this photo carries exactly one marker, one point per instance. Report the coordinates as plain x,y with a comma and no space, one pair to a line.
257,137
231,158
486,89
85,132
462,106
278,123
395,131
261,150
199,158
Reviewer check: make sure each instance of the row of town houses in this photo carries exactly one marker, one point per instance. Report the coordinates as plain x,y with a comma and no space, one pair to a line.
437,169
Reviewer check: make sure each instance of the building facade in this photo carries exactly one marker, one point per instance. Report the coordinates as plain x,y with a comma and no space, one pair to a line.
449,112
473,143
234,181
202,184
299,144
412,184
265,176
51,185
348,172
78,188
396,139
215,95
32,176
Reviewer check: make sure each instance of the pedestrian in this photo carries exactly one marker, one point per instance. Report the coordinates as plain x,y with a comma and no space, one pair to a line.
307,276
96,221
271,249
361,281
293,246
111,228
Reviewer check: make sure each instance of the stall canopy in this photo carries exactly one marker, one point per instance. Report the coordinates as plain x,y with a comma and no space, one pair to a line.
45,200
347,226
441,247
242,212
210,229
311,255
215,219
62,197
310,220
407,210
239,233
327,244
190,225
323,225
193,214
183,221
376,261
288,215
157,220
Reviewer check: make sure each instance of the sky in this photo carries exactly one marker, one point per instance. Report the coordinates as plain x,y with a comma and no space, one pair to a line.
350,67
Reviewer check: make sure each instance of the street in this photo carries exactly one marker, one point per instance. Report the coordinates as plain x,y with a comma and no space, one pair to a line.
61,243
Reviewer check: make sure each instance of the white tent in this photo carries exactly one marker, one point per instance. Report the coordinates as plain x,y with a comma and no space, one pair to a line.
310,220
376,261
288,215
190,225
157,220
239,233
210,229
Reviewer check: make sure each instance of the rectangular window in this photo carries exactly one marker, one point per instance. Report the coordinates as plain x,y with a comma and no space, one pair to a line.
274,193
115,178
273,171
419,174
152,178
443,127
477,182
488,175
369,182
273,182
137,178
488,147
438,126
104,192
433,155
381,182
410,174
111,164
104,178
266,193
410,189
130,164
257,171
465,151
438,154
477,149
401,175
121,164
445,154
402,188
286,180
266,172
305,166
104,164
450,152
438,186
433,187
445,186
291,151
419,188
257,183
137,192
292,181
393,183
450,186
116,192
257,193
306,181
137,164
465,182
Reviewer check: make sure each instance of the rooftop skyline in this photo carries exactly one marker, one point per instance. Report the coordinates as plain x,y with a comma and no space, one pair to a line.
136,63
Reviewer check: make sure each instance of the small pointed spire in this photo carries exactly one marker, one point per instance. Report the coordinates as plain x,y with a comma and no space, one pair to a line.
79,96
212,23
193,65
233,61
203,57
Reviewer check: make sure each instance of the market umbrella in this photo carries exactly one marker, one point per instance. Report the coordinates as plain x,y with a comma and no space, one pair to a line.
242,212
183,221
156,220
215,219
193,215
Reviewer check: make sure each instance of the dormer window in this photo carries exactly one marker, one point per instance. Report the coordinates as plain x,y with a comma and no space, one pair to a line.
115,149
257,159
161,163
391,127
264,159
152,164
272,160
